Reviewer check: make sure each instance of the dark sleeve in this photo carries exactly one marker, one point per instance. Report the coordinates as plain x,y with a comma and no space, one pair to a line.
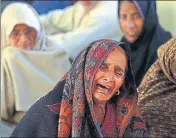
136,129
40,121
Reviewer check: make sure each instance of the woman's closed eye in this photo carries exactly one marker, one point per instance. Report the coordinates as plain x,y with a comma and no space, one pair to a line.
119,72
15,33
30,31
103,67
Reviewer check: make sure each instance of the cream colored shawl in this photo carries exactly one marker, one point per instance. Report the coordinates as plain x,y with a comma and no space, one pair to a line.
157,93
26,75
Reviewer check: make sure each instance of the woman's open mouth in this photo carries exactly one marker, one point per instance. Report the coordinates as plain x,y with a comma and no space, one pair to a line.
103,89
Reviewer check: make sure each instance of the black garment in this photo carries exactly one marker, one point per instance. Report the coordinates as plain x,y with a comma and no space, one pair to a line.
143,50
40,121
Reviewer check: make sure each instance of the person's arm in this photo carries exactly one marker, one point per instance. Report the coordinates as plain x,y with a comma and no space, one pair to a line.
58,21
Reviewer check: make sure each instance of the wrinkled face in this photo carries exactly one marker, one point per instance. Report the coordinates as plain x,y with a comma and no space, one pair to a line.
109,77
131,21
23,37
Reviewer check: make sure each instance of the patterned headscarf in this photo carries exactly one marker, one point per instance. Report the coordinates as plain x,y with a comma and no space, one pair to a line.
76,116
157,93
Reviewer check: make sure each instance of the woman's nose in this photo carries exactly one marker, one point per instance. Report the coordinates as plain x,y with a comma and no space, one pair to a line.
109,76
130,24
23,38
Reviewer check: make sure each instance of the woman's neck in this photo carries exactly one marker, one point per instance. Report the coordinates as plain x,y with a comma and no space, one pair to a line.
100,106
100,111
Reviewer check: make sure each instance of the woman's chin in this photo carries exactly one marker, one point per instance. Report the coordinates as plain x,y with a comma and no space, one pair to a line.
100,98
131,39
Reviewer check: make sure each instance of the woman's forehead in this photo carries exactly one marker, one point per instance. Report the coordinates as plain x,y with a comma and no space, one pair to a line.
21,26
117,55
136,4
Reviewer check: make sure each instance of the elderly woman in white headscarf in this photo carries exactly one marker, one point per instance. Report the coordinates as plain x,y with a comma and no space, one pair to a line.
31,64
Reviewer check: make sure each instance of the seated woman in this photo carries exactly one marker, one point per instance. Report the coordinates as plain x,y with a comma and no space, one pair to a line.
29,60
143,33
96,98
157,93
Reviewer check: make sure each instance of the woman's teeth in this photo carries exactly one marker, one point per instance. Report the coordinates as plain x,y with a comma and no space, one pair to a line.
104,88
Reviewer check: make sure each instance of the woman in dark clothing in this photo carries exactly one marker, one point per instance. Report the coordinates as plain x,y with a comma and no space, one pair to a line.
96,98
143,33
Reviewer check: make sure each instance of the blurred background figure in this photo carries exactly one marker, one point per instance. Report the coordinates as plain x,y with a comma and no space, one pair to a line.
79,24
157,93
142,31
31,64
166,10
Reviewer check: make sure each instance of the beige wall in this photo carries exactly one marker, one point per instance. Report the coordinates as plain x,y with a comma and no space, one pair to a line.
167,15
